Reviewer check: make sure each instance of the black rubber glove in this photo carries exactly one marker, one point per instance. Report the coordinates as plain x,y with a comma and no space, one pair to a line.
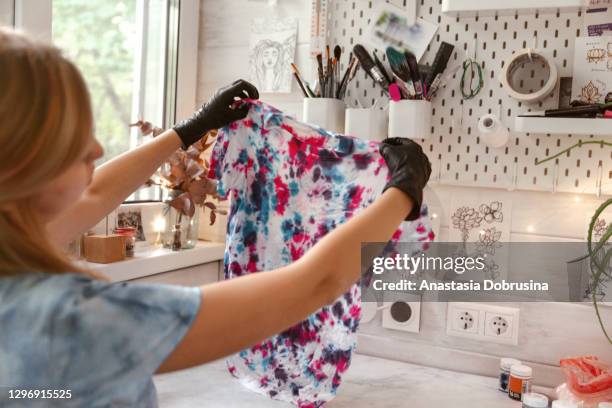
409,167
219,111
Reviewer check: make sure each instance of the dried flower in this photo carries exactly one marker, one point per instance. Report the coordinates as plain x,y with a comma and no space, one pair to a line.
184,174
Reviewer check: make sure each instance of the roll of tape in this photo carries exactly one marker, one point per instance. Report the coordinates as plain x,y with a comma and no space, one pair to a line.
519,58
493,132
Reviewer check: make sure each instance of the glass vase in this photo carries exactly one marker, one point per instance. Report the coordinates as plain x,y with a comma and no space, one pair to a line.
181,230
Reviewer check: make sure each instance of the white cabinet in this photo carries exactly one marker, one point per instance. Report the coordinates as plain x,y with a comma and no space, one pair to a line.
192,276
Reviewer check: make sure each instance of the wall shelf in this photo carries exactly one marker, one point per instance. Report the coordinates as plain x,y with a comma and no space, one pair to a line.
470,8
574,126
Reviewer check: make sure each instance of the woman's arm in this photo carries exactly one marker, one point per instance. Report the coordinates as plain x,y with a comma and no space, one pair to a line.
241,312
112,183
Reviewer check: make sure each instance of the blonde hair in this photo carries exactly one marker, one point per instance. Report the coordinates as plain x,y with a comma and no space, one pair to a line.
45,122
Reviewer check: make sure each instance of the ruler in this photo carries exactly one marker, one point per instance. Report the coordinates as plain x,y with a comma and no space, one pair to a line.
318,25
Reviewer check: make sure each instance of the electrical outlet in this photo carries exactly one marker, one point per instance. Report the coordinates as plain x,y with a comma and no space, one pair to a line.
404,316
483,322
463,320
501,324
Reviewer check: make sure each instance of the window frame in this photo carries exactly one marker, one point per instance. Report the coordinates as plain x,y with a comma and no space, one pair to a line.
180,84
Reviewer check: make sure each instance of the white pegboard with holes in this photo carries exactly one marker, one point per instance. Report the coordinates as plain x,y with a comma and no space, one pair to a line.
458,156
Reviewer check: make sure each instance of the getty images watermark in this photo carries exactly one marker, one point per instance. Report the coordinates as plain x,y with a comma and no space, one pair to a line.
471,272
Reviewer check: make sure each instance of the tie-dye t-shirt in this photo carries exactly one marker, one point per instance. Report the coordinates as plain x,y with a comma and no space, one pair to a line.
98,343
293,183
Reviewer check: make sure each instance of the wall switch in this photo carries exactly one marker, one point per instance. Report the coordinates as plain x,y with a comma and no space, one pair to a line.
400,315
483,322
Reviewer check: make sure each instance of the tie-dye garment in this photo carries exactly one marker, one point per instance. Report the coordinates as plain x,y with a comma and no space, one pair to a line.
98,342
292,184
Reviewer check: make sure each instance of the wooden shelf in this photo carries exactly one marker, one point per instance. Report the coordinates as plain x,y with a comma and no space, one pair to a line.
470,8
574,126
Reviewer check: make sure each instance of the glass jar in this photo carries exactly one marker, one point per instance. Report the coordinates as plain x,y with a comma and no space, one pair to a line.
130,239
181,230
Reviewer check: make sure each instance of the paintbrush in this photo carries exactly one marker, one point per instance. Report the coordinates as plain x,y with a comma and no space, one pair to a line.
345,76
382,68
416,74
337,56
368,64
351,74
320,72
300,81
401,70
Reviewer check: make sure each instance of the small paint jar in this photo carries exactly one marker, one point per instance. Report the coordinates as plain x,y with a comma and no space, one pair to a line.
520,381
504,372
130,239
535,400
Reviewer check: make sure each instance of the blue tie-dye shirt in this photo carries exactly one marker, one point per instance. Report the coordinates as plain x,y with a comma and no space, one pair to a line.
102,341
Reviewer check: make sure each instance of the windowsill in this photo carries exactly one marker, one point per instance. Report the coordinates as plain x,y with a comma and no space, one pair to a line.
153,260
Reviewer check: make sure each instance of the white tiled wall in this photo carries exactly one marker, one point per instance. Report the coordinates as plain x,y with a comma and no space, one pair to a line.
548,331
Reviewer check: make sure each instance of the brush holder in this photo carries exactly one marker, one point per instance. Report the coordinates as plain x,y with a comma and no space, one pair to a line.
410,119
327,113
368,124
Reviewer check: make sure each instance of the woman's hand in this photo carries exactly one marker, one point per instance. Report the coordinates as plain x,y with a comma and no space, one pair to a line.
219,111
410,169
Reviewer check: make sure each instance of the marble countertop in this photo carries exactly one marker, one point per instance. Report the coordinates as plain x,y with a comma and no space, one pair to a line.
370,382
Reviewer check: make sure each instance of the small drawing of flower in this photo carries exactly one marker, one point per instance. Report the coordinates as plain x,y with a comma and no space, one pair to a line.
464,219
488,240
590,93
599,228
493,212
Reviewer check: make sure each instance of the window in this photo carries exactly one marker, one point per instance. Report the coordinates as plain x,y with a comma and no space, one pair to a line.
7,13
120,47
138,58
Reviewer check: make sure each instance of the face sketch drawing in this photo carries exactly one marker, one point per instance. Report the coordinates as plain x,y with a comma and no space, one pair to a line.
269,64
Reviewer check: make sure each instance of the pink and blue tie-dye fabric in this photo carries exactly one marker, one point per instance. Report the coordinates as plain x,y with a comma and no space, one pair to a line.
292,183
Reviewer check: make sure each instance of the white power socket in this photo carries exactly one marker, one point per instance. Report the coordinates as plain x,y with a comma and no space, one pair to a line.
403,316
483,322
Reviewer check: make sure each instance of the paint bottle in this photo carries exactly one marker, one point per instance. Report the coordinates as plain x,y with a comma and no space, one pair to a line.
520,381
535,400
504,372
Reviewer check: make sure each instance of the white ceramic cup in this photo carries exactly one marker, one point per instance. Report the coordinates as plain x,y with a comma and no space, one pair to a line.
368,124
410,119
327,113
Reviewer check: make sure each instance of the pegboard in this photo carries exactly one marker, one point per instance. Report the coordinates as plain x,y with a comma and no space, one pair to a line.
457,154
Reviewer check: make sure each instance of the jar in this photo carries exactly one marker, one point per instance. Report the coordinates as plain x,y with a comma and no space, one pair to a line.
130,239
520,381
535,400
504,372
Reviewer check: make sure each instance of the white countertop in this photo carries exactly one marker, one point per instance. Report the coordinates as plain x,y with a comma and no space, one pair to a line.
370,382
152,260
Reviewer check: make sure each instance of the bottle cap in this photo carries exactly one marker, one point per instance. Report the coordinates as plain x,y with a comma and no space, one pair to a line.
563,404
535,400
506,363
521,370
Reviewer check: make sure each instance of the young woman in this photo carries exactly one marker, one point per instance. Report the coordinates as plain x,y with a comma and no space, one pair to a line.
80,341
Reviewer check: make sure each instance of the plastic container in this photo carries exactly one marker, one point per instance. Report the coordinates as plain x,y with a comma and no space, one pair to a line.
327,113
410,118
368,124
520,381
504,372
535,400
130,239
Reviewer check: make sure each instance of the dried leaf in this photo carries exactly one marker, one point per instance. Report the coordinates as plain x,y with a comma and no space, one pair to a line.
210,205
184,204
222,212
193,169
213,217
